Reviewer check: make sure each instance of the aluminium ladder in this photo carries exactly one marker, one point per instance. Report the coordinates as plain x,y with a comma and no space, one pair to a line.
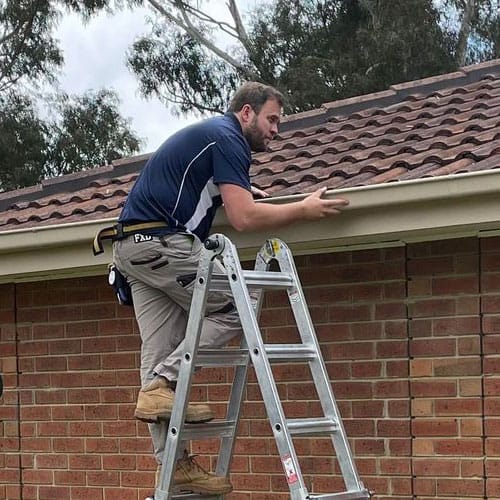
230,277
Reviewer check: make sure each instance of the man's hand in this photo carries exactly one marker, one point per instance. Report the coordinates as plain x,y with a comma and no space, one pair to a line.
258,193
315,207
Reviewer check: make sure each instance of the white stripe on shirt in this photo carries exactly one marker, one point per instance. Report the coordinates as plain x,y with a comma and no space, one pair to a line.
185,174
206,201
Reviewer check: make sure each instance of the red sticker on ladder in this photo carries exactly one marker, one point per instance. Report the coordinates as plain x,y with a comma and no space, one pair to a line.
291,474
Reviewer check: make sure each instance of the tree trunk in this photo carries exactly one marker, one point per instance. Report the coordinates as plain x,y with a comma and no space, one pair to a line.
465,29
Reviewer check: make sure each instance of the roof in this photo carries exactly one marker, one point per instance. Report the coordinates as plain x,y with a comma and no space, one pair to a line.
440,126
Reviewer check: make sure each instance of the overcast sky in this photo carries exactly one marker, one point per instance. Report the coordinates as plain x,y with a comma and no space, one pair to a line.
94,56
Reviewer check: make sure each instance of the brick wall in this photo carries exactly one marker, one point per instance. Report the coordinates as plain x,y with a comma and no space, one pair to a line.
411,338
446,369
490,316
10,466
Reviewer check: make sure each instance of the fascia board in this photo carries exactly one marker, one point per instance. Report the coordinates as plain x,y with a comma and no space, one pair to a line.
380,215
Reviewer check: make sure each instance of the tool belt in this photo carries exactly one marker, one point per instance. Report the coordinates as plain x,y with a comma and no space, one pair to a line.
120,231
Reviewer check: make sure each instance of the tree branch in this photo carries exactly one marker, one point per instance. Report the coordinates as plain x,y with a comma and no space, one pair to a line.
240,28
203,16
14,54
8,36
186,25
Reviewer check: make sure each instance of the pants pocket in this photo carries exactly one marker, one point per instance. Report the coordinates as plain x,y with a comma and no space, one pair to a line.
146,260
186,279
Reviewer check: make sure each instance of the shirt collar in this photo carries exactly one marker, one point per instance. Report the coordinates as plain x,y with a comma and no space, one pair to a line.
234,119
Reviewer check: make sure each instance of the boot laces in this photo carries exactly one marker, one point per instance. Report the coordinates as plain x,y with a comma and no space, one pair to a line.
191,464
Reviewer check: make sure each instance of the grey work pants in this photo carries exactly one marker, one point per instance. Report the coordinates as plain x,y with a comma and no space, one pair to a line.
161,273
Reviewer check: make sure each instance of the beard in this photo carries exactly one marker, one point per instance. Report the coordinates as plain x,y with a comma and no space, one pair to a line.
255,137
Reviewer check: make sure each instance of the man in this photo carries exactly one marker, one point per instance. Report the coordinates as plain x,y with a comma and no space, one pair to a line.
173,204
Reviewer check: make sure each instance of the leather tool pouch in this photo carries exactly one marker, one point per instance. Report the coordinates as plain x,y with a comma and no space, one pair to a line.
120,286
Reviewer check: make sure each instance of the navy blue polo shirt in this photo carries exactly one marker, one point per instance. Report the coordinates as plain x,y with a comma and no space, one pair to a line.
179,183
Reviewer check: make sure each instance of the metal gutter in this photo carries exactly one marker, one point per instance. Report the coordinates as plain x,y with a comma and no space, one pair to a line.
378,215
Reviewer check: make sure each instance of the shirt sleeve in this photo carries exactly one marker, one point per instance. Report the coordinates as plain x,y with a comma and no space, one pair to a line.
231,160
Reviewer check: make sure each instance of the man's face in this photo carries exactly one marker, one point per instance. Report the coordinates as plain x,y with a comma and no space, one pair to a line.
262,127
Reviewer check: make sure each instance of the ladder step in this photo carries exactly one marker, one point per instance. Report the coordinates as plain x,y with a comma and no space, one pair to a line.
290,352
236,357
254,280
194,496
222,357
216,428
348,495
312,426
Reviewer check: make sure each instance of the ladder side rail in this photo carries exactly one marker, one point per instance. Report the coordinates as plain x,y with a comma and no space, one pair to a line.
233,413
265,377
238,389
192,339
319,371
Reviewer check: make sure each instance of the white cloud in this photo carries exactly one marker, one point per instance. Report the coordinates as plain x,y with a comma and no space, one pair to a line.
95,55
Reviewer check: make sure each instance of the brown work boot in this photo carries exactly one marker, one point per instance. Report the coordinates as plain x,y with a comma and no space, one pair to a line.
156,401
191,476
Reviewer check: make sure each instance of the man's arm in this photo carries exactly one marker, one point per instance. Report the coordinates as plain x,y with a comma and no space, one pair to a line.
246,215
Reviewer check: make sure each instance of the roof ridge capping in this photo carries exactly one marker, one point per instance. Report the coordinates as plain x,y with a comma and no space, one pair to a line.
394,94
73,182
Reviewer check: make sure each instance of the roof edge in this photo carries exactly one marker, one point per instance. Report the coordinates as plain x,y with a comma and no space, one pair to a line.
386,214
73,182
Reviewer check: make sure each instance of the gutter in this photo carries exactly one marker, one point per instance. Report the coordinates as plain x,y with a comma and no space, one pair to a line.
379,215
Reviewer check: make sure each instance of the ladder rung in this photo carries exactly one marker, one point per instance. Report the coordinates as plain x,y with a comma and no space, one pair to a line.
312,426
254,279
290,352
217,428
194,496
222,357
347,495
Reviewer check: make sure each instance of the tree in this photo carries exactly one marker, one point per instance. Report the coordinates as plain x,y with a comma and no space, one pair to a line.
89,130
478,32
313,50
28,51
86,131
23,143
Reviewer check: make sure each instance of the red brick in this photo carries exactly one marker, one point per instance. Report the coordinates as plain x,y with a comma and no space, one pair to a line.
434,388
85,493
393,428
438,347
51,363
102,445
84,462
466,447
72,478
460,487
367,369
69,346
98,311
435,467
491,324
434,427
391,389
103,478
118,360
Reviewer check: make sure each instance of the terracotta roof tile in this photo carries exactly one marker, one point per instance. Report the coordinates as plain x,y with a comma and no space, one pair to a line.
437,126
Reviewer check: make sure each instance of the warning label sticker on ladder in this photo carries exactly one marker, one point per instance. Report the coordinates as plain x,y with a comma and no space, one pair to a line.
291,474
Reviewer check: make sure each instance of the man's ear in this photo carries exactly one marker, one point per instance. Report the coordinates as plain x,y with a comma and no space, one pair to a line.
246,113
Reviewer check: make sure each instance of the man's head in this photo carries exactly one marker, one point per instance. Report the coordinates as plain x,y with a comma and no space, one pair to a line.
258,108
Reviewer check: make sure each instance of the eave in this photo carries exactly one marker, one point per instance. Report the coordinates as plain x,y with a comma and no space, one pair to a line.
380,215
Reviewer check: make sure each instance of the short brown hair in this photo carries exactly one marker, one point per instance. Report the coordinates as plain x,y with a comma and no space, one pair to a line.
255,94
